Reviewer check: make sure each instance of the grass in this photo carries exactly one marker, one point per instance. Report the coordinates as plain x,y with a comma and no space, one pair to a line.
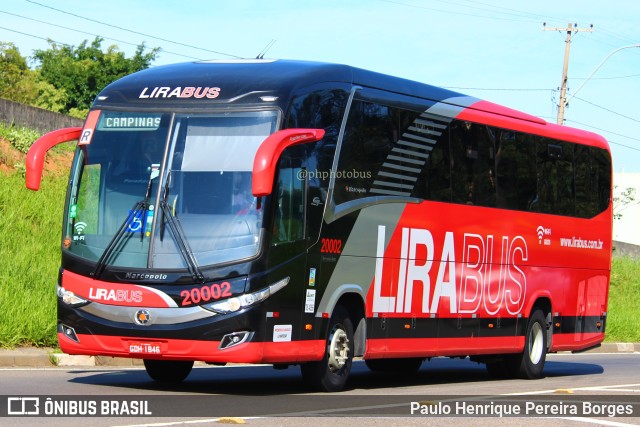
623,322
30,227
20,138
29,259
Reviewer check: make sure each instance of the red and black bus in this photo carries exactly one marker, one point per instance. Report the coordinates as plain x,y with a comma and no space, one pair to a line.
289,212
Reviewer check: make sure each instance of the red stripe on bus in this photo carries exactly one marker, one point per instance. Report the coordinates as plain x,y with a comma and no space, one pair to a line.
205,351
122,294
433,347
486,112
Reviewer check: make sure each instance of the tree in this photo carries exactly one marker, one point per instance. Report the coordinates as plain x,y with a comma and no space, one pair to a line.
13,68
83,71
21,84
622,200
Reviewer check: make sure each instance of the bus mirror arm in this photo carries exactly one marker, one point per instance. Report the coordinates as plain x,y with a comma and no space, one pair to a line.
35,156
266,160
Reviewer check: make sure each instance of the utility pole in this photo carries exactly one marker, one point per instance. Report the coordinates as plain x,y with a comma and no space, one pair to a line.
571,28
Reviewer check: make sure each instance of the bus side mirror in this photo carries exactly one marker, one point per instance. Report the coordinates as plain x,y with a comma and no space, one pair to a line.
35,156
266,160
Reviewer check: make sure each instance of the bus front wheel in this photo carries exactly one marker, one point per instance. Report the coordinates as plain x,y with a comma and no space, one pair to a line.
331,373
168,371
530,363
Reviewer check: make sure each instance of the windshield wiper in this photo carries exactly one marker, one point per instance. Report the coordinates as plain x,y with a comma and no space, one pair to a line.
117,238
139,210
178,232
165,196
181,241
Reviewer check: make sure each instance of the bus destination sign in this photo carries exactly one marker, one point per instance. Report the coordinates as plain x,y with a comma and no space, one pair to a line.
117,121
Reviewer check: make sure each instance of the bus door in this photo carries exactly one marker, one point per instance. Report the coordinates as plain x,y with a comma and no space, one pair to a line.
297,219
302,191
287,254
317,271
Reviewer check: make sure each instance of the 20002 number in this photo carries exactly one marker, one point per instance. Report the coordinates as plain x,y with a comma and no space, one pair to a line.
206,293
331,246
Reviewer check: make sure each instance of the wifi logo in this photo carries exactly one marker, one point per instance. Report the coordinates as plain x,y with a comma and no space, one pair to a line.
543,232
79,227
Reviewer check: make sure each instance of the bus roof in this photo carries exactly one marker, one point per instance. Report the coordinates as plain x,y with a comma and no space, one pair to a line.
239,79
205,84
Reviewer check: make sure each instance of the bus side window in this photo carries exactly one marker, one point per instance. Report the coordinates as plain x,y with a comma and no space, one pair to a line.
555,177
592,172
516,179
288,223
473,161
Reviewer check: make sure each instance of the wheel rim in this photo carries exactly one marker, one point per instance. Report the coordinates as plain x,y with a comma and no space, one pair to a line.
536,343
338,349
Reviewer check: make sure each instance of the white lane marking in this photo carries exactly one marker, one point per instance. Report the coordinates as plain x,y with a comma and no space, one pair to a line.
596,421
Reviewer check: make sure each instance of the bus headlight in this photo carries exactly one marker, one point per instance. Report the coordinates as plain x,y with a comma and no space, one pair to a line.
70,298
239,302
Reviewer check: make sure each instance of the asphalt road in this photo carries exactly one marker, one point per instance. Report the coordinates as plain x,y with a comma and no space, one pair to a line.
261,396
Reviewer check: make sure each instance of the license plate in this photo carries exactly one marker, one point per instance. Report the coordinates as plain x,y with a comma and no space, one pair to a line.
145,348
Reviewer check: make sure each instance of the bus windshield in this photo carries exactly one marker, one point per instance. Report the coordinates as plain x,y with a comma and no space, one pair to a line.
163,190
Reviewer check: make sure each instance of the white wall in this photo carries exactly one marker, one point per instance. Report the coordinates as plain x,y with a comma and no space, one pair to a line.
627,228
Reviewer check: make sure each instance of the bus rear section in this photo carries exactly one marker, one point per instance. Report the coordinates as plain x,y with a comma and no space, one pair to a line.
476,230
334,214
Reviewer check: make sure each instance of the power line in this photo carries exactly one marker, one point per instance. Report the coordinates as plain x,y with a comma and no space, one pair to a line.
606,109
608,131
512,12
572,121
622,145
618,36
570,29
497,89
34,36
534,16
606,78
132,31
459,13
610,45
82,32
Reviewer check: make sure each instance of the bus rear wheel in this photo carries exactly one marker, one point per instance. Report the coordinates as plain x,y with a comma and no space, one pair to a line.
530,363
168,371
331,373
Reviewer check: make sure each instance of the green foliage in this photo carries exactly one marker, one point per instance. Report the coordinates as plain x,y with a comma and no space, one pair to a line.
43,94
78,113
20,138
66,79
83,71
20,84
29,260
13,68
622,200
624,300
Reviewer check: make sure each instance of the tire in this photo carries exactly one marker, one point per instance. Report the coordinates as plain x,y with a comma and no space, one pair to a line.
530,364
403,366
168,371
332,372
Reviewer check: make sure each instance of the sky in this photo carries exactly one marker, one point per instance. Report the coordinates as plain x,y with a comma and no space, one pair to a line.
496,50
